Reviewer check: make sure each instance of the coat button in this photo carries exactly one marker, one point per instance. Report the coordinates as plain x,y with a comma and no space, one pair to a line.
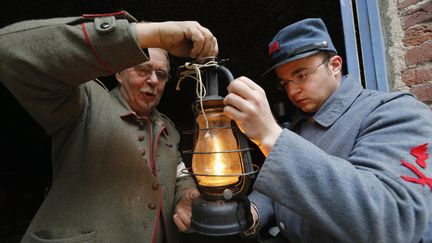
155,186
152,205
143,152
105,26
281,226
140,123
141,137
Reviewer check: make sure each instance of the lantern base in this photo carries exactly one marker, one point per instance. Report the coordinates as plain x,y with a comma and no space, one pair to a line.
219,218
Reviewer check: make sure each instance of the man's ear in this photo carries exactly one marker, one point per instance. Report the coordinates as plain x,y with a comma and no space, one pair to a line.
118,77
336,64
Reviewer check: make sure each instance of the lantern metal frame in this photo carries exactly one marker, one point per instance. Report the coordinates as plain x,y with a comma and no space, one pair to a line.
223,210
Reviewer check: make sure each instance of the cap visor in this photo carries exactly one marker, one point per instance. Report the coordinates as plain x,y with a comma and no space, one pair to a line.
302,55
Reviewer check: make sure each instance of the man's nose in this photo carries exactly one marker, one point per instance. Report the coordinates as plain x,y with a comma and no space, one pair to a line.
152,79
293,89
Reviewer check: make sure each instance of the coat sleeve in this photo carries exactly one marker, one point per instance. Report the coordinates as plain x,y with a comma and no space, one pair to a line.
44,62
182,185
265,206
364,198
184,182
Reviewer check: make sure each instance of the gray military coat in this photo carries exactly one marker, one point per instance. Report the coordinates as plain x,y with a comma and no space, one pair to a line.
358,170
114,174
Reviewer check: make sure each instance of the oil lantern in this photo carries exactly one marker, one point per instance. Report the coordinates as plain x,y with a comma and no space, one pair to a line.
221,162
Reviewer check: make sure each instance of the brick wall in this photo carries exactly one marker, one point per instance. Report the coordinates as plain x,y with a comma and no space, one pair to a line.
416,20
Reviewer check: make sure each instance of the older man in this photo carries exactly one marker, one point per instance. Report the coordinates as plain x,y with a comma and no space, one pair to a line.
116,166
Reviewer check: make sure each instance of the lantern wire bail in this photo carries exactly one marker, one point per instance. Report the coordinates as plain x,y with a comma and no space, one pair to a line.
192,70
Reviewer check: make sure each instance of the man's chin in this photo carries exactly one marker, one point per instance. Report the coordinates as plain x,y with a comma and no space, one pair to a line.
308,108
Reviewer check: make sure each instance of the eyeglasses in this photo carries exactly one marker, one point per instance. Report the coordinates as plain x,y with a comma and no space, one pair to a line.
299,78
146,71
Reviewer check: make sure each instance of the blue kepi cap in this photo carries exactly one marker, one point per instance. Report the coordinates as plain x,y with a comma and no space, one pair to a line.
299,40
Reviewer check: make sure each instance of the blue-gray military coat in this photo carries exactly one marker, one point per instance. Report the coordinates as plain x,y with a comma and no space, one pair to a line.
358,170
114,174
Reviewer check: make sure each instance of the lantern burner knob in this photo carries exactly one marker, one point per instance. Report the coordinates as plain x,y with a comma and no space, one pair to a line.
227,194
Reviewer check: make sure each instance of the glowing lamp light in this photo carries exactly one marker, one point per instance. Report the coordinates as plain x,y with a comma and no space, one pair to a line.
213,151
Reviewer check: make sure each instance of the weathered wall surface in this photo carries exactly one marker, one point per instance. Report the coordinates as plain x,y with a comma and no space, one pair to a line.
408,32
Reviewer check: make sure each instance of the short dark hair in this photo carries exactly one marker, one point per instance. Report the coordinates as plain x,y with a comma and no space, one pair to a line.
327,54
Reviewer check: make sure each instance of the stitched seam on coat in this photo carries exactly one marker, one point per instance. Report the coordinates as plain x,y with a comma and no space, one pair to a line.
98,57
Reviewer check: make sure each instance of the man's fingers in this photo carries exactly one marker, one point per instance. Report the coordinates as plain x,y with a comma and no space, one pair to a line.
183,38
245,88
237,106
204,43
246,81
210,46
198,40
180,225
192,194
182,219
231,112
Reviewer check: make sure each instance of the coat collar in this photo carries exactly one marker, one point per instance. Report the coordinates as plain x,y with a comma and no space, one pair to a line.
339,102
126,111
336,105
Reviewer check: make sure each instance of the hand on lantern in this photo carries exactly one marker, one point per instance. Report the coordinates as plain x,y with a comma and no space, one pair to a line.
183,210
246,103
180,38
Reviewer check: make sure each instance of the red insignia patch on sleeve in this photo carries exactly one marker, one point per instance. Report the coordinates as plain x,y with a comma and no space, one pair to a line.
420,152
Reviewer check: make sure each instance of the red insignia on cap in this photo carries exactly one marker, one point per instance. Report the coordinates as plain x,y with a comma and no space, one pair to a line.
420,152
274,46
